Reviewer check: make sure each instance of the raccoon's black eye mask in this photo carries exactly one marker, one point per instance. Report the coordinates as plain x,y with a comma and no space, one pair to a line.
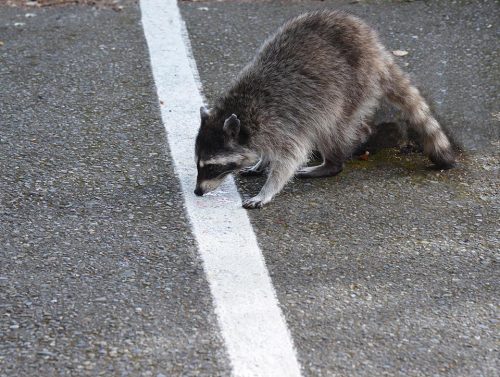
213,171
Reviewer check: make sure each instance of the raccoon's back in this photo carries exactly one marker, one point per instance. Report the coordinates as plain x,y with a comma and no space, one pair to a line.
327,37
319,53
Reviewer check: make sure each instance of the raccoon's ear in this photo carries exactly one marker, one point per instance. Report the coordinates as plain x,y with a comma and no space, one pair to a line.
232,126
204,113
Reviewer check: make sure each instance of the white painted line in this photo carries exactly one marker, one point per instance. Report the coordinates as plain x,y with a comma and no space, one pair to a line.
252,325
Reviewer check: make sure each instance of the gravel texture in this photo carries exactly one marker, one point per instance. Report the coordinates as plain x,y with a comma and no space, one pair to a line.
99,272
387,269
390,268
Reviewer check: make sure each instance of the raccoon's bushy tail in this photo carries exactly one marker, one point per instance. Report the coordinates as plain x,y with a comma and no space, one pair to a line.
408,99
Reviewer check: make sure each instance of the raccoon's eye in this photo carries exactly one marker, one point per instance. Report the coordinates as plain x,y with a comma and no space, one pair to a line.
213,171
231,166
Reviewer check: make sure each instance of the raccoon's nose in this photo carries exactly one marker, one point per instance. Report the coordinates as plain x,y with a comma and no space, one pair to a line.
198,191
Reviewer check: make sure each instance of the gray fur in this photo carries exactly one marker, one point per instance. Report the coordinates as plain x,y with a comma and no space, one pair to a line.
312,85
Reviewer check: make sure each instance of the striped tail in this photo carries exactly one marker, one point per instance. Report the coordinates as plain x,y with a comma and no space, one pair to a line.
408,99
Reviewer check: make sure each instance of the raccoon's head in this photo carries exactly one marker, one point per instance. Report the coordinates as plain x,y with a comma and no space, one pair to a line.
219,151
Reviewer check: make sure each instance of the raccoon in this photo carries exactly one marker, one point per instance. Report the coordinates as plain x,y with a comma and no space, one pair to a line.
312,86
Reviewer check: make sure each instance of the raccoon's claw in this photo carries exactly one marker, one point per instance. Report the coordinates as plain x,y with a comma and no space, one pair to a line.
250,172
253,203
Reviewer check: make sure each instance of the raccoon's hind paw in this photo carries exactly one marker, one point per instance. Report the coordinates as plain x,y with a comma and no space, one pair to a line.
253,203
327,169
250,172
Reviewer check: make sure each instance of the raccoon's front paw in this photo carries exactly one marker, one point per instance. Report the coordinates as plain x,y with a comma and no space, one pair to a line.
253,203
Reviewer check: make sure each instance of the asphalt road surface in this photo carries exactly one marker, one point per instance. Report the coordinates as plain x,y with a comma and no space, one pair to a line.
389,269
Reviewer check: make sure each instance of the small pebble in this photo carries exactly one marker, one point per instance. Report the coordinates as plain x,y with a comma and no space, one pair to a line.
400,52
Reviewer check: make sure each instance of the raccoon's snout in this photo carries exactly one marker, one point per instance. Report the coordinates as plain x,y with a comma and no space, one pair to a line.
204,186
